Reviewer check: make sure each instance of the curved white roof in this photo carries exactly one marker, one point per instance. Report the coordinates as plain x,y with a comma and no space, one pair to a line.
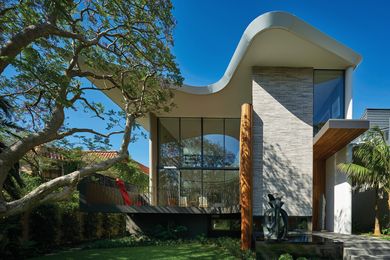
283,21
274,39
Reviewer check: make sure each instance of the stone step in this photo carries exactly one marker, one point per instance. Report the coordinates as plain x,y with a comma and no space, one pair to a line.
369,257
366,253
367,246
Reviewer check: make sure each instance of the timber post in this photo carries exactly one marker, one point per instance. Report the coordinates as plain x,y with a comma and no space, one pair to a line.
246,176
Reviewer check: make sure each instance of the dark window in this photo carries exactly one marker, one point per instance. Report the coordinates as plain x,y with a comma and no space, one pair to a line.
225,224
328,96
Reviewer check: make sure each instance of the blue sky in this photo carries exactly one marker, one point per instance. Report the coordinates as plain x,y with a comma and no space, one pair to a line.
208,32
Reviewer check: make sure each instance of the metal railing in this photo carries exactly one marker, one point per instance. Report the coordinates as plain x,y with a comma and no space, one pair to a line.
100,190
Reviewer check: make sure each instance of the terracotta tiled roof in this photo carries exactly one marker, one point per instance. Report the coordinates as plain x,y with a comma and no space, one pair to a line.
98,154
143,168
111,154
103,154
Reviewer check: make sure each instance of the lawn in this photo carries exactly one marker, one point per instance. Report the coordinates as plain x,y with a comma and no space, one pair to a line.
385,237
181,251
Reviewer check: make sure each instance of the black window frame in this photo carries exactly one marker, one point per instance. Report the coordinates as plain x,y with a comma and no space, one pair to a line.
201,168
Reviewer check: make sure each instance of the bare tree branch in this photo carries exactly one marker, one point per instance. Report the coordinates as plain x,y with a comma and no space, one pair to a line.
92,108
85,130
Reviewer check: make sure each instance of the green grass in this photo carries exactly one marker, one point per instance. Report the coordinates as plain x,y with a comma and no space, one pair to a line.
386,237
181,251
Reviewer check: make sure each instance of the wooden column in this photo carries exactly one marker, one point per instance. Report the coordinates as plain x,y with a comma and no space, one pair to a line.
246,176
319,168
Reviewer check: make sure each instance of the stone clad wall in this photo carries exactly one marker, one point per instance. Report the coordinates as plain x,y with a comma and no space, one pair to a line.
283,138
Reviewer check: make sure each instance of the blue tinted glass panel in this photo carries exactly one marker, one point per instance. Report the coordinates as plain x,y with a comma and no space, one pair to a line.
328,96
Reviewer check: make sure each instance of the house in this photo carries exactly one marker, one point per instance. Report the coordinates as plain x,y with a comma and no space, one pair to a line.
379,117
50,162
288,92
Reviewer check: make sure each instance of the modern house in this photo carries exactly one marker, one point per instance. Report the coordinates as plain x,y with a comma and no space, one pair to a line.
287,92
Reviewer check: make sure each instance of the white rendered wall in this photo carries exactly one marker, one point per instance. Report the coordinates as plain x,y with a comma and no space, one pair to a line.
153,159
348,93
338,195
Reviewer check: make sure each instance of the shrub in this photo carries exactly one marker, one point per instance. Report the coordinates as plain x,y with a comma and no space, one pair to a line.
113,225
168,232
286,257
91,225
9,237
44,225
70,227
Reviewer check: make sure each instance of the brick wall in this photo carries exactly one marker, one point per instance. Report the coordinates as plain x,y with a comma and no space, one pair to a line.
283,138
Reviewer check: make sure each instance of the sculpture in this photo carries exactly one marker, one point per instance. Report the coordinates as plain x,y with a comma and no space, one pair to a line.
275,219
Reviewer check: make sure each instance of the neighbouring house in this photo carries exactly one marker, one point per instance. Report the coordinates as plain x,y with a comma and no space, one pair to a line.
294,84
50,162
379,117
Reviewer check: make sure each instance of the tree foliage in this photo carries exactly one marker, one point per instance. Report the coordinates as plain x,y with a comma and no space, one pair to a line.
50,48
370,168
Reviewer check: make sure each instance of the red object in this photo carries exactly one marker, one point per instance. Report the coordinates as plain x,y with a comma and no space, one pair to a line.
122,188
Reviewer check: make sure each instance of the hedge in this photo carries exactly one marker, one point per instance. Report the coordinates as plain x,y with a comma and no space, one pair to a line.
55,225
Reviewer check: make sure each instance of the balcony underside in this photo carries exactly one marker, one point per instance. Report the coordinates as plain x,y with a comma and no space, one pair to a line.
335,135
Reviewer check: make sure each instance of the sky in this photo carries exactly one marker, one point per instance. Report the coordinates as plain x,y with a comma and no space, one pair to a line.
207,34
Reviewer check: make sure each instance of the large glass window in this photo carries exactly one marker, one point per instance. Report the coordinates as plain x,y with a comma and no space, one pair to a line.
191,141
213,143
213,187
232,142
191,189
169,142
328,96
168,183
200,156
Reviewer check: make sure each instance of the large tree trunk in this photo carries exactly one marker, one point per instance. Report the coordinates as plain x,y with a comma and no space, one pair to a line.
377,229
15,152
62,187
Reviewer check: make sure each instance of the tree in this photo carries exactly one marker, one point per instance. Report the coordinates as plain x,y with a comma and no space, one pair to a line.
371,167
13,181
50,47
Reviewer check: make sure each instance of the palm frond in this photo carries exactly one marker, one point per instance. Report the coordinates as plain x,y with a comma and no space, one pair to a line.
358,174
371,162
